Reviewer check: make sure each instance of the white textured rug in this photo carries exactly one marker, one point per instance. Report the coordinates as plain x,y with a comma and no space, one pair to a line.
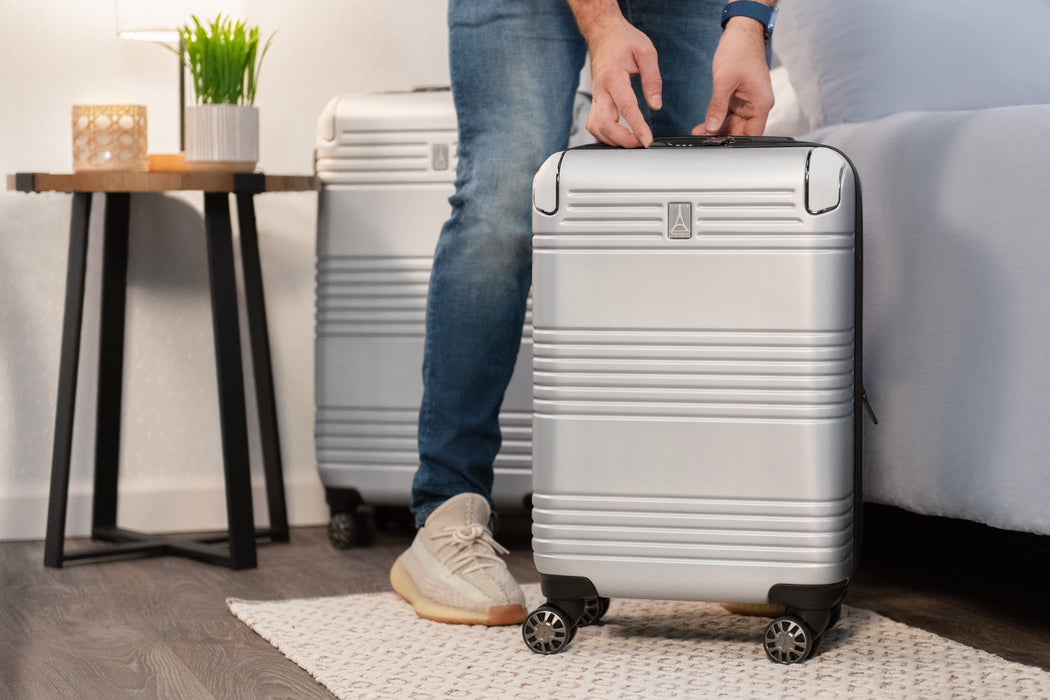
374,646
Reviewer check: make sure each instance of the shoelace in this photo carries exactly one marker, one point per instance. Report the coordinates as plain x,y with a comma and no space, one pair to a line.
461,551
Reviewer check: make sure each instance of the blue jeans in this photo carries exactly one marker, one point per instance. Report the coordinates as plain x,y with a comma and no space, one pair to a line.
515,66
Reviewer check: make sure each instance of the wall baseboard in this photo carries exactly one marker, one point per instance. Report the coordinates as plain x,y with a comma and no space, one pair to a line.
194,506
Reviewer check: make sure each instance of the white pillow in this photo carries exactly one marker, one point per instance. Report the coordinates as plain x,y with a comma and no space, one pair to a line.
853,61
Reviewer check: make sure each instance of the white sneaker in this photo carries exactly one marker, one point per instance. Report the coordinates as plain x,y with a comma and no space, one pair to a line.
452,571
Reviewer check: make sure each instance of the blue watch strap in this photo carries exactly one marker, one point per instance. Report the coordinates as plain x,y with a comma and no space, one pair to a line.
760,12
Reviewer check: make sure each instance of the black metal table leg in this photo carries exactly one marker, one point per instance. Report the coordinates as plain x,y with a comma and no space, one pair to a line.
236,547
110,361
261,363
231,380
67,380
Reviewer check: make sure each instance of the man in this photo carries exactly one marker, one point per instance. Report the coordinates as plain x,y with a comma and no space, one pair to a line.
514,68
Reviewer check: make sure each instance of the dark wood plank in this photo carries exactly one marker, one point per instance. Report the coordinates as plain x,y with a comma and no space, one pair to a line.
96,659
71,635
152,627
974,584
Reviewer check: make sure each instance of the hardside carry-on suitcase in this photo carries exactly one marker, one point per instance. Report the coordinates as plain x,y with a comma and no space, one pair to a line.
696,312
386,163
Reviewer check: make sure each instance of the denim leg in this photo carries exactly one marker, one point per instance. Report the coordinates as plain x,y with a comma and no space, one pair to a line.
685,34
514,67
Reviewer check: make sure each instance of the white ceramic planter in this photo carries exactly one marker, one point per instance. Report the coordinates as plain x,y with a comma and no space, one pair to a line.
222,137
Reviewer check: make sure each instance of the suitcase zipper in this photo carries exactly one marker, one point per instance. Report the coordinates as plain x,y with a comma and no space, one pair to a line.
867,406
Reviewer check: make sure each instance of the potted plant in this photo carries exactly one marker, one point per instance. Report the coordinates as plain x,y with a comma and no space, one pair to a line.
222,128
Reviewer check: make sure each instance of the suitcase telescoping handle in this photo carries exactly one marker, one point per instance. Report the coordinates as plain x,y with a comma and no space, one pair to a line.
731,141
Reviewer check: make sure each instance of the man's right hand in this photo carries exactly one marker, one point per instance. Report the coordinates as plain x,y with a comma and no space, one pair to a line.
742,94
618,51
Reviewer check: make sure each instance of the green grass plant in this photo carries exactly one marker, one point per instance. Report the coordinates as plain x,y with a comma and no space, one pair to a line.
224,60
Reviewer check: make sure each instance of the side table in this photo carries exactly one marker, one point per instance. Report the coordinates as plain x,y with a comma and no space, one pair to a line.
235,548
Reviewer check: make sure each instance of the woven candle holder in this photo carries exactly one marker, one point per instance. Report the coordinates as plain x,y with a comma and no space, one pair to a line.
109,137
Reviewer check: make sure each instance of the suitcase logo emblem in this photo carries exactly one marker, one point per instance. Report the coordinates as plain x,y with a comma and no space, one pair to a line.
439,156
679,220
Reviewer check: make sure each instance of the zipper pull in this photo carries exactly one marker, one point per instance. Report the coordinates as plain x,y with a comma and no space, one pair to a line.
867,406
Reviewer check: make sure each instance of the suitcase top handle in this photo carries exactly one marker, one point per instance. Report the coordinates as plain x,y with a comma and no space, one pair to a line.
706,141
743,141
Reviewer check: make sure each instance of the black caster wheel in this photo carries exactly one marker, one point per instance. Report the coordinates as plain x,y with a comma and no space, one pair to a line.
594,609
352,529
789,640
342,530
547,630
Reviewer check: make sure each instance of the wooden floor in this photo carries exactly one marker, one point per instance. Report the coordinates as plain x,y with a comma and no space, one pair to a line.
160,628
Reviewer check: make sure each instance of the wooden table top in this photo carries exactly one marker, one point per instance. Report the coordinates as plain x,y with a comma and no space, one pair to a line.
158,181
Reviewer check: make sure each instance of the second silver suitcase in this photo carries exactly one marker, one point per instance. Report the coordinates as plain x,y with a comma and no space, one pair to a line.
696,382
387,162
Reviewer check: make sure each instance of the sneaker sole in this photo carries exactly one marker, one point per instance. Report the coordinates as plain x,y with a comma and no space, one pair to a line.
497,615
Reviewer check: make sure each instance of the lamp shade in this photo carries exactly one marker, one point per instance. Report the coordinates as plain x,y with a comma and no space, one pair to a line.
159,20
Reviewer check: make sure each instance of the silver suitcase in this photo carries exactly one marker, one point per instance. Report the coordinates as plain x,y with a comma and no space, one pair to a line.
696,312
387,162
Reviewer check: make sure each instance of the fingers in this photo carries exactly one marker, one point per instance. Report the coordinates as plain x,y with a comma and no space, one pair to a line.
603,122
649,74
755,126
738,116
742,94
609,105
618,52
717,110
627,107
733,125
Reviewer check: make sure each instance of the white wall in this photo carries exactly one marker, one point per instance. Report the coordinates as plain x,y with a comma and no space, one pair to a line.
57,53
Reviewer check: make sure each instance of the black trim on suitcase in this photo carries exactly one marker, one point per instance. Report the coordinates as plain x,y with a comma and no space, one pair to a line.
554,586
811,603
724,141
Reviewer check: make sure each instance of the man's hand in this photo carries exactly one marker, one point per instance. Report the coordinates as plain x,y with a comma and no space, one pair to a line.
618,51
742,94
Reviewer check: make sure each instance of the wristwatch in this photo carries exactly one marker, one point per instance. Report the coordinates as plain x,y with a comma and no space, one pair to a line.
758,11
